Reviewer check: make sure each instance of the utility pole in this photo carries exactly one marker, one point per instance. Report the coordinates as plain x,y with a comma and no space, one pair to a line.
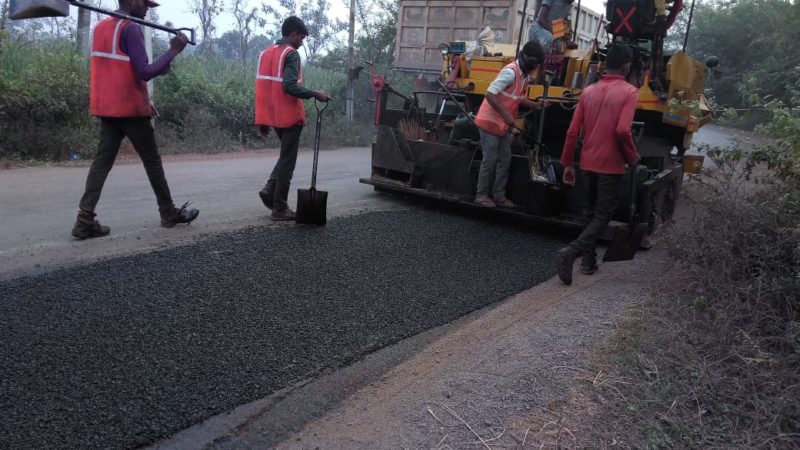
351,61
84,24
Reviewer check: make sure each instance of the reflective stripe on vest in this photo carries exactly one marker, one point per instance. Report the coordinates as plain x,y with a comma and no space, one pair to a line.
274,107
115,88
490,120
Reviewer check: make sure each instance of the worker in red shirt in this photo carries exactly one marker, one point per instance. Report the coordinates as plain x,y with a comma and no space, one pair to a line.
605,115
119,72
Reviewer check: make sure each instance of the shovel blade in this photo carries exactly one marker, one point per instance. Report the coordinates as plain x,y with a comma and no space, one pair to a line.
625,243
31,9
311,206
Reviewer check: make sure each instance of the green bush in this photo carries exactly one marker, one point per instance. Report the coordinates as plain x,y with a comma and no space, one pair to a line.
44,99
206,104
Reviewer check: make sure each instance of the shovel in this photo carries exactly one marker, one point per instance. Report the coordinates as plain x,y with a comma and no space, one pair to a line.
31,9
311,203
626,241
541,173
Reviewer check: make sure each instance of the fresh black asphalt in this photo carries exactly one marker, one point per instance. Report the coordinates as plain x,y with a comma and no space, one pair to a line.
120,353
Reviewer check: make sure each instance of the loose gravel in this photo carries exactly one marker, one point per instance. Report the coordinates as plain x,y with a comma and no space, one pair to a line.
120,353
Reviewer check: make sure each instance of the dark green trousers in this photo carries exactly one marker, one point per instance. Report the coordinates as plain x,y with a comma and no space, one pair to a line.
141,134
600,193
281,176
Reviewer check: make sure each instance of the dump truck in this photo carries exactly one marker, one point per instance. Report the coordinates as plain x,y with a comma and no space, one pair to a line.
427,145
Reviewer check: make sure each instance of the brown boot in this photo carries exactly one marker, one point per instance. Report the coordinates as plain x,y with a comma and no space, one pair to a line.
174,216
283,215
267,194
564,260
86,227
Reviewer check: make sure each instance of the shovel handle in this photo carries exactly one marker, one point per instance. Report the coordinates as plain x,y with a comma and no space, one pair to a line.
80,4
317,133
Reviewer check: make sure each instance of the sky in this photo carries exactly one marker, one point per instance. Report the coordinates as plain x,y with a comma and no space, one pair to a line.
177,12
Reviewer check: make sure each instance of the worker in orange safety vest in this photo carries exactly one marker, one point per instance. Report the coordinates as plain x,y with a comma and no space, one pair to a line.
495,120
279,104
119,72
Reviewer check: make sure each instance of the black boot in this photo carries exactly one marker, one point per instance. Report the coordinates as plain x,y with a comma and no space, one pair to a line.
173,216
564,260
588,264
267,194
87,227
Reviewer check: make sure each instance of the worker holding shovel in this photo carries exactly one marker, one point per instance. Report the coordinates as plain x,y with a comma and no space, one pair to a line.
119,71
279,104
605,115
495,120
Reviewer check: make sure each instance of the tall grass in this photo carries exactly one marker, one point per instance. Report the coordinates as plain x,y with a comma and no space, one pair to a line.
206,104
44,97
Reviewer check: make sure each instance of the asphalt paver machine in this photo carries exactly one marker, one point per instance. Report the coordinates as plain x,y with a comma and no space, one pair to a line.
434,150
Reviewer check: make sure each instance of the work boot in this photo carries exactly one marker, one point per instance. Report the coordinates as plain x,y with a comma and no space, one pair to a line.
87,227
564,260
174,216
504,202
283,215
485,201
588,264
267,194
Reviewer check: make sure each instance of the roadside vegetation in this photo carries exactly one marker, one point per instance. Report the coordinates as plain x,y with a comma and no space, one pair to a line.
207,100
756,43
713,360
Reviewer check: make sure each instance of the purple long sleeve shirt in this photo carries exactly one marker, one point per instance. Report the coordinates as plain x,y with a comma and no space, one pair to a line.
132,43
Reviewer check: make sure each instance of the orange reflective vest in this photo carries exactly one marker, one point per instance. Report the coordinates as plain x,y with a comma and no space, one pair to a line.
274,107
115,89
490,120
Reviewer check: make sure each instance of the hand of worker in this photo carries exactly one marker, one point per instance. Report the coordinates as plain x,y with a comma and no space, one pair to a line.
322,96
569,175
541,104
178,43
508,119
154,111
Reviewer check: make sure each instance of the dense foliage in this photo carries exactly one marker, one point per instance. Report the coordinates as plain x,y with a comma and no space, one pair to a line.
207,100
753,39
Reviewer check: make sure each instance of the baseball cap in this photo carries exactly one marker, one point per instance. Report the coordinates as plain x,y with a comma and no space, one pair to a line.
151,4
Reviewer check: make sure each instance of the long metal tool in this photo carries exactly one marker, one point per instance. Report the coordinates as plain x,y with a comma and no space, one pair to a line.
538,146
626,241
311,203
31,9
522,26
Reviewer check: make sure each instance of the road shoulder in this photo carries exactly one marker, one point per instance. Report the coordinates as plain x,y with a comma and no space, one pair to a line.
491,377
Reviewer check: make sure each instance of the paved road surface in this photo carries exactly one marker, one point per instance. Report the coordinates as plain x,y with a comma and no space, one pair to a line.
39,204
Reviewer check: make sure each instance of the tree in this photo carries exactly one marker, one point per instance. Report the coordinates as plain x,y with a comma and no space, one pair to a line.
207,11
246,20
752,38
322,29
3,14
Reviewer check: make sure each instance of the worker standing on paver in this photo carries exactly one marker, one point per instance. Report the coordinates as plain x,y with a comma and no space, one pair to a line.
279,104
495,120
542,29
119,71
605,115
